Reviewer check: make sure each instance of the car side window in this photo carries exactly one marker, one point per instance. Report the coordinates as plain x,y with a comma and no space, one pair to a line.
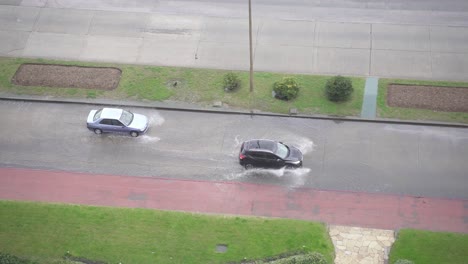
269,156
116,123
106,122
257,155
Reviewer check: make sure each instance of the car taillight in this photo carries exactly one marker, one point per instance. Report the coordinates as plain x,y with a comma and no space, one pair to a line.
241,156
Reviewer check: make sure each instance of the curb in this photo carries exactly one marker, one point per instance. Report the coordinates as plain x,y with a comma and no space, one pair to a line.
234,112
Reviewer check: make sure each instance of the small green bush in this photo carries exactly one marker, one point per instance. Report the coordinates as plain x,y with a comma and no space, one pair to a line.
6,258
286,89
310,258
339,88
231,82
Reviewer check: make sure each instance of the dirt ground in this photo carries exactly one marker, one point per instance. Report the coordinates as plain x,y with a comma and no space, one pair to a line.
67,76
446,99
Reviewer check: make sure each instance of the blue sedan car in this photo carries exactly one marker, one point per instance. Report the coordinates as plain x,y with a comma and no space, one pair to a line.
114,120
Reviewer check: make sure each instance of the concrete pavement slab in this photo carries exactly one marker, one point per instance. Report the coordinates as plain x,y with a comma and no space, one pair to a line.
38,3
169,49
341,61
12,43
400,37
450,66
18,18
231,56
10,2
343,35
52,45
449,39
66,21
286,32
115,49
118,24
171,24
110,5
393,63
293,59
228,30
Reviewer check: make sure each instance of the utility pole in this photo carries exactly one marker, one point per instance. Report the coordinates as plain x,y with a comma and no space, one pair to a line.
250,46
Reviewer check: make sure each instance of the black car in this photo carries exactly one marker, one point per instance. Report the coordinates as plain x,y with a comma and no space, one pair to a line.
269,154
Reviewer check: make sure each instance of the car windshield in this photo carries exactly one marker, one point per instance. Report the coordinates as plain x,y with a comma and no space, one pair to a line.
97,115
126,117
281,150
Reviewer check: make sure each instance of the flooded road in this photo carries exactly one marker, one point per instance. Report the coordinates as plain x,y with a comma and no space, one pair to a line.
348,156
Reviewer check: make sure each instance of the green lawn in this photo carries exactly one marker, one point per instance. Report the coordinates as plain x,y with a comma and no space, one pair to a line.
45,232
416,114
430,247
201,86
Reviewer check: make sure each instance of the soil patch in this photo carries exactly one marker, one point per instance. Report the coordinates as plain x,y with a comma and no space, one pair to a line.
446,99
102,78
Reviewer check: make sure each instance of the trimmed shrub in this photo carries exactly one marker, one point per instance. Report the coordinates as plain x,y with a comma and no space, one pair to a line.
10,259
231,82
286,89
309,258
339,88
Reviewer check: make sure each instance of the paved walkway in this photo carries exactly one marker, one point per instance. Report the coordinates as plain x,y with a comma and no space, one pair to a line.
369,104
336,208
356,245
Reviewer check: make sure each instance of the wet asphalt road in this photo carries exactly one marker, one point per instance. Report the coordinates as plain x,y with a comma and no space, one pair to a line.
348,156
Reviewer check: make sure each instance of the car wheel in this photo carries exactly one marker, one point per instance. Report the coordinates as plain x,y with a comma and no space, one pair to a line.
134,134
248,166
98,131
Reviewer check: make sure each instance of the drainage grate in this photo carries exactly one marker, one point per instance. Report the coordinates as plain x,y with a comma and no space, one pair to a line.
221,248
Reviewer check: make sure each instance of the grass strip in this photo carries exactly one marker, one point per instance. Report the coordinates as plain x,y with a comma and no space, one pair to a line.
198,86
46,232
430,247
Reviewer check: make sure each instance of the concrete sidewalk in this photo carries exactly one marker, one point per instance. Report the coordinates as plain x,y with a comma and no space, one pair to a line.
329,46
332,207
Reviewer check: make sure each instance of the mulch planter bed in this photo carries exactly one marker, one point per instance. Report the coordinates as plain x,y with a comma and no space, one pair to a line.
446,99
102,78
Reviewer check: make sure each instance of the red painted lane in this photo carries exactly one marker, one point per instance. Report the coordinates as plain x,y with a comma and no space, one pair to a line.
332,207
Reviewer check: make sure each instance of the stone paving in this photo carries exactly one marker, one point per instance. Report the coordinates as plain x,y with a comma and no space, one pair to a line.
355,245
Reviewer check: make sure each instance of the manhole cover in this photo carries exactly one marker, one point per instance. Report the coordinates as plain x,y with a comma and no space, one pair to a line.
221,248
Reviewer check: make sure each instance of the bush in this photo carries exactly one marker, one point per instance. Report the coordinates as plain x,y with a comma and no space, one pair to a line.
339,88
231,81
10,259
286,89
310,258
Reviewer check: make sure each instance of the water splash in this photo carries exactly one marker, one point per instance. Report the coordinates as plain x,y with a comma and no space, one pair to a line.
149,139
291,178
156,119
304,144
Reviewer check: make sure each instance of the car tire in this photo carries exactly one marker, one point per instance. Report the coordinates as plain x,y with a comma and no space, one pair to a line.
248,166
98,131
134,134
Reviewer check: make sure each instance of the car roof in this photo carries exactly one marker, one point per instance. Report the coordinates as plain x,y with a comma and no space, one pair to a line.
111,113
265,144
